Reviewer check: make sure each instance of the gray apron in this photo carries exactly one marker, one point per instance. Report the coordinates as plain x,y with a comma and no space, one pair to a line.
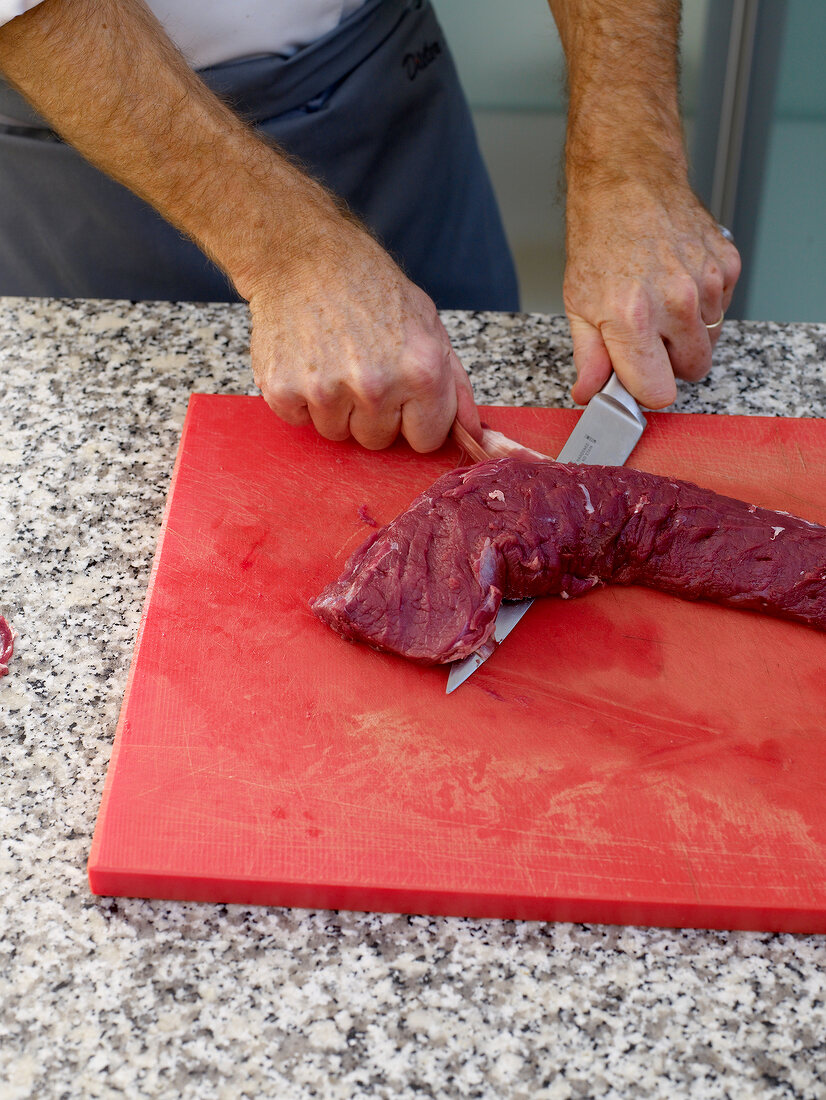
374,109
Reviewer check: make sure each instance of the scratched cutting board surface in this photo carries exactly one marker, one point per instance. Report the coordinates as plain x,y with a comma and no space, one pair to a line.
625,757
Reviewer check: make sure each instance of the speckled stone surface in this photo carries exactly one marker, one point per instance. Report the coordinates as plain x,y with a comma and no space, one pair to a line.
109,998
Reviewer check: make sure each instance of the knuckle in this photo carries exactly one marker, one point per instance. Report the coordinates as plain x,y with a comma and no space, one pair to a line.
264,375
429,369
292,411
631,308
734,263
371,389
574,293
426,428
683,297
713,282
322,394
282,399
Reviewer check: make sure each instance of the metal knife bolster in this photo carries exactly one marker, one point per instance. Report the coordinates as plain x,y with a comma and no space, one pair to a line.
608,430
605,435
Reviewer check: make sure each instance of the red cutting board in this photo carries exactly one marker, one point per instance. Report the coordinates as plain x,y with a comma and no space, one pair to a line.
626,757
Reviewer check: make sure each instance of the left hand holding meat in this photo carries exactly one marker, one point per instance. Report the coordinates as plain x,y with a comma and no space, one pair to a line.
342,339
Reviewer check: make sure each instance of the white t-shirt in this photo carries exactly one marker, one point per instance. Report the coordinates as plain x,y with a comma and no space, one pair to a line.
211,31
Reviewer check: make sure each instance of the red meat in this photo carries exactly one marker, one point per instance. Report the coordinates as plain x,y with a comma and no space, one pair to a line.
428,585
6,645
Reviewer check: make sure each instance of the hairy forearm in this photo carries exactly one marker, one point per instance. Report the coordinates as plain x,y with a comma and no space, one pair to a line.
111,83
623,113
647,274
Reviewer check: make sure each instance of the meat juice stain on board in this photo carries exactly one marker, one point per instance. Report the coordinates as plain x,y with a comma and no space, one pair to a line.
365,516
627,640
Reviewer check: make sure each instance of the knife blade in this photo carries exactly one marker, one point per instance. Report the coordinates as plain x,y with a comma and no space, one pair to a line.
605,435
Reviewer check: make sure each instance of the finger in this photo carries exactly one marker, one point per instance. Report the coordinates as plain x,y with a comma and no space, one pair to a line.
643,366
712,310
375,416
333,426
330,406
425,423
710,295
716,287
466,411
425,426
688,345
298,416
688,349
714,333
375,430
591,360
429,409
291,408
732,265
428,416
687,308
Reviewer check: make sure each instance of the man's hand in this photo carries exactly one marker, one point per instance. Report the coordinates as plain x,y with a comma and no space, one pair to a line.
647,268
647,273
340,336
344,340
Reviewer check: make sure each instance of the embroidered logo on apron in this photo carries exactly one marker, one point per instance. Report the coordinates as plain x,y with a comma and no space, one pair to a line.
413,63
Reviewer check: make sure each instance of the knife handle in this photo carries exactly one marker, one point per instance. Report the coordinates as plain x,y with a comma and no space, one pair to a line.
615,389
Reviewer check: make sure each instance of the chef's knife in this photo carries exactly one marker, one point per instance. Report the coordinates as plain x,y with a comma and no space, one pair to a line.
605,435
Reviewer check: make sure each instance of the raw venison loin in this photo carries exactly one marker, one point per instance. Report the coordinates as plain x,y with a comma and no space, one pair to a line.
429,584
6,645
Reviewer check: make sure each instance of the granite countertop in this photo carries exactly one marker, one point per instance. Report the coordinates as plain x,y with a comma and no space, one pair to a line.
108,997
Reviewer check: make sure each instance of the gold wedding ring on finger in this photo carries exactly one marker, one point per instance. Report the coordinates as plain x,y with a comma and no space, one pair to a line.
729,236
